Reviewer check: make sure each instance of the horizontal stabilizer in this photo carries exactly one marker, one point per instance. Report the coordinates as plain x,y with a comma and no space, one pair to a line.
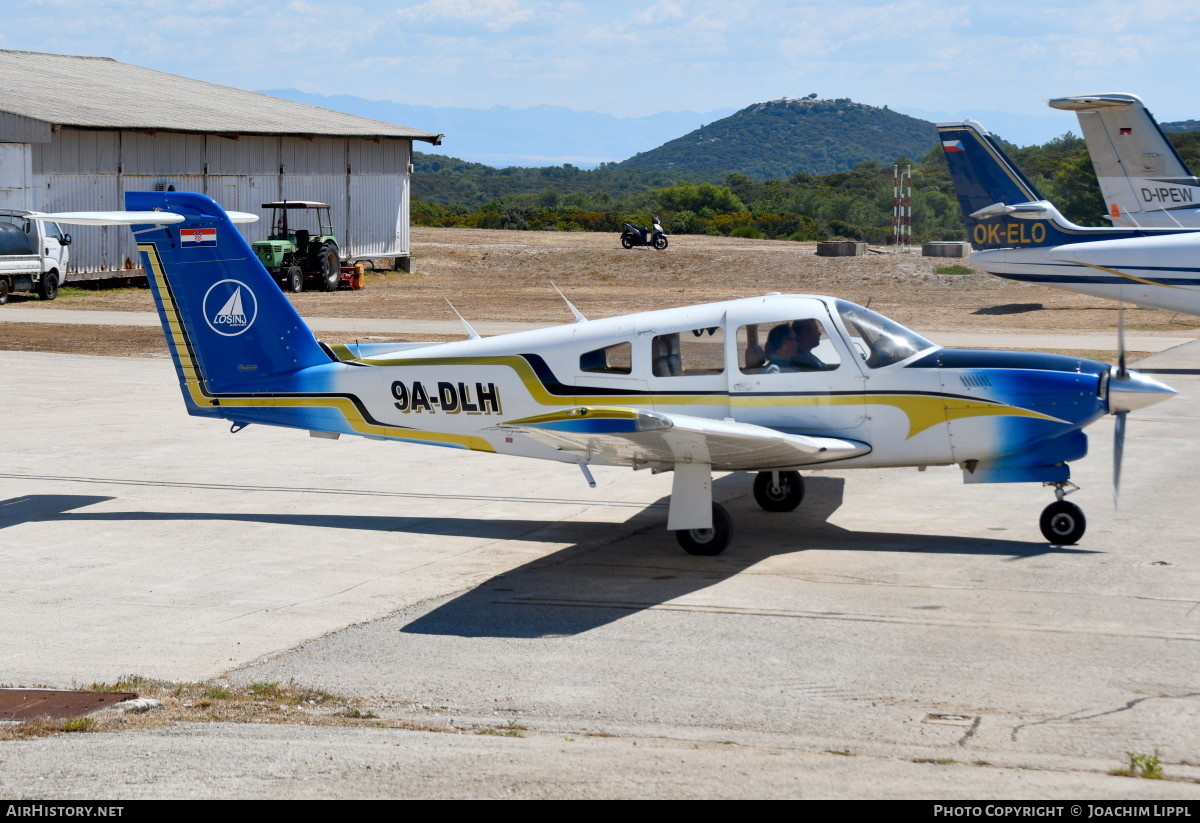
129,218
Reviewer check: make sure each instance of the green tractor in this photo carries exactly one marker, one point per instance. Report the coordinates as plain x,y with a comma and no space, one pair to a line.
292,254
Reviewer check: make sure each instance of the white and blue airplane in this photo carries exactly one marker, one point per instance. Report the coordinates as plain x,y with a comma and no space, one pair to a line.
1019,235
770,384
1143,180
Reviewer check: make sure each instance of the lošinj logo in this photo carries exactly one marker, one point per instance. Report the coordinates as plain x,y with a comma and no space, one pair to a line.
230,307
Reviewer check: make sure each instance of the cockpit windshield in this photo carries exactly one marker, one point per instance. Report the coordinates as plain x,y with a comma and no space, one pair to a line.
880,341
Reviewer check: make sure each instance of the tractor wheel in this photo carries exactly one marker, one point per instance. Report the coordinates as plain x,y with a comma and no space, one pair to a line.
331,267
293,280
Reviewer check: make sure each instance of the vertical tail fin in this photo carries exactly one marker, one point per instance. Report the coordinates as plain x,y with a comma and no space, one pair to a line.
1141,175
228,325
982,173
1001,207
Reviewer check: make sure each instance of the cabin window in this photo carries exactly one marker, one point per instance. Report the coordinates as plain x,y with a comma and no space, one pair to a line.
791,346
616,359
691,352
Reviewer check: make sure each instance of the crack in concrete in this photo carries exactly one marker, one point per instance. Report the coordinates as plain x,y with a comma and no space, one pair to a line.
962,741
1076,715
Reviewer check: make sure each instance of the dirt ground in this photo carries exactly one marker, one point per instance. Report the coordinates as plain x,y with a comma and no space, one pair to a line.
507,275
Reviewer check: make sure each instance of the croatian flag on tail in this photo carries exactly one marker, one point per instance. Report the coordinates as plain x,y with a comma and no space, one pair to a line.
195,238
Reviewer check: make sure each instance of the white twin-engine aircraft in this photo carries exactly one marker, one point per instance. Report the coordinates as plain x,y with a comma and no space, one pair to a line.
767,384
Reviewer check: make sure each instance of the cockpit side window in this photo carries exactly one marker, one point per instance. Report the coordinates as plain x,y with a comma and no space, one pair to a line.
615,359
800,345
692,352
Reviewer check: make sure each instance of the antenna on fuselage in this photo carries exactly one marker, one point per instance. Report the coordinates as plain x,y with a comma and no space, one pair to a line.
471,333
579,318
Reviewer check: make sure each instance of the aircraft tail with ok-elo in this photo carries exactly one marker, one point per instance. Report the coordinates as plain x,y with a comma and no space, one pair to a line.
1001,207
1144,181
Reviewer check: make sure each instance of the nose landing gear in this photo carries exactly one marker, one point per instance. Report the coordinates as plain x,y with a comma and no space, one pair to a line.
1063,523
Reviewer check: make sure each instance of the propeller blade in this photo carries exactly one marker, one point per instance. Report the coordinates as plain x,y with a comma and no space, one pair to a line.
1118,455
1121,370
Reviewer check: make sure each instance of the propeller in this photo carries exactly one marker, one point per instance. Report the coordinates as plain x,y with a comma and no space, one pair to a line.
1122,373
1128,391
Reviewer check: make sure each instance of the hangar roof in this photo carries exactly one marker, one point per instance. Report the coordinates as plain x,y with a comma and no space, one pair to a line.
103,93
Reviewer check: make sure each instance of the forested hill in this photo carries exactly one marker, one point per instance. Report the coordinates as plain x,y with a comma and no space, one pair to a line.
780,138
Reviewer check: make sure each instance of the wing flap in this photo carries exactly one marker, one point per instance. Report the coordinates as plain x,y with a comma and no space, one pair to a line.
635,437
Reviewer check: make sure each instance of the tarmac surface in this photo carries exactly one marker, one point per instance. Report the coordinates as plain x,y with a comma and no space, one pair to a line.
899,635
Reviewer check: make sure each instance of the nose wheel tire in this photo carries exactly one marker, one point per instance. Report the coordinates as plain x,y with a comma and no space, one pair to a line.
782,498
1063,523
708,542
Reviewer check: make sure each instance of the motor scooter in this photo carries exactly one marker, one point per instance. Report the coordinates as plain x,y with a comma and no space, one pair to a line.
633,235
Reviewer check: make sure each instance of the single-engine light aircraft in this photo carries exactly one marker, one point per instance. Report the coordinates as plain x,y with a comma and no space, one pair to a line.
769,384
1143,179
1019,235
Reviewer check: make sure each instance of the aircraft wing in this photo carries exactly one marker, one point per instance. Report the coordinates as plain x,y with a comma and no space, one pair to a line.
636,437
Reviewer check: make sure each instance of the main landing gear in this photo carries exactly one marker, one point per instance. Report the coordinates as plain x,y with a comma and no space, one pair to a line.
1063,523
773,491
708,542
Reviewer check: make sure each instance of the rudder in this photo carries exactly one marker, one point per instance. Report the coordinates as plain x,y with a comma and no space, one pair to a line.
228,325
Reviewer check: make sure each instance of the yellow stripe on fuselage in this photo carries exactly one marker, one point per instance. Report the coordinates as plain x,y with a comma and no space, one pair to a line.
923,410
1121,274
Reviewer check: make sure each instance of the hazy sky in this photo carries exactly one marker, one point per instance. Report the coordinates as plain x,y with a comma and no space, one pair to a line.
637,58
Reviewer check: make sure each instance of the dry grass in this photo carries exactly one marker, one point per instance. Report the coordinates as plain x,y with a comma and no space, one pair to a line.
287,703
502,275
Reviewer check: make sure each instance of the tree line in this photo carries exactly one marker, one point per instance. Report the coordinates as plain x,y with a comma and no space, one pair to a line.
855,204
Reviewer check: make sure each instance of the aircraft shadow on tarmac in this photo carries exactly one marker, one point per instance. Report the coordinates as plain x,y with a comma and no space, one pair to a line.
30,508
584,587
607,572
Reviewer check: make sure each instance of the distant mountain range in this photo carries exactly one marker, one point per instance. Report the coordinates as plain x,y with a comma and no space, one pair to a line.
1181,125
782,137
538,136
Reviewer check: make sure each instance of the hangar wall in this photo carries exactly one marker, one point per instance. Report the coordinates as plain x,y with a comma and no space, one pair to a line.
364,180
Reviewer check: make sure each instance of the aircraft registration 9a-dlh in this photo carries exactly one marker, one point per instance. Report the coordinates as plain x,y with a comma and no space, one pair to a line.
770,384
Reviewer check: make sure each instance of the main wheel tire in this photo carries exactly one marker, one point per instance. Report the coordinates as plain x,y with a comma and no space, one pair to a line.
331,267
48,286
785,498
293,280
627,241
1063,523
3,291
660,243
708,542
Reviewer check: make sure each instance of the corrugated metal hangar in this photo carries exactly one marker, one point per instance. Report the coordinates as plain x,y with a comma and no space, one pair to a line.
76,133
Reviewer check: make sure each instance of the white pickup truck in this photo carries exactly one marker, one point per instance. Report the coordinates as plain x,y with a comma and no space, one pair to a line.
33,255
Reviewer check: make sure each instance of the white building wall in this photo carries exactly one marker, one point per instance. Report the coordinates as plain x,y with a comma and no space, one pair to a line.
366,182
16,176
